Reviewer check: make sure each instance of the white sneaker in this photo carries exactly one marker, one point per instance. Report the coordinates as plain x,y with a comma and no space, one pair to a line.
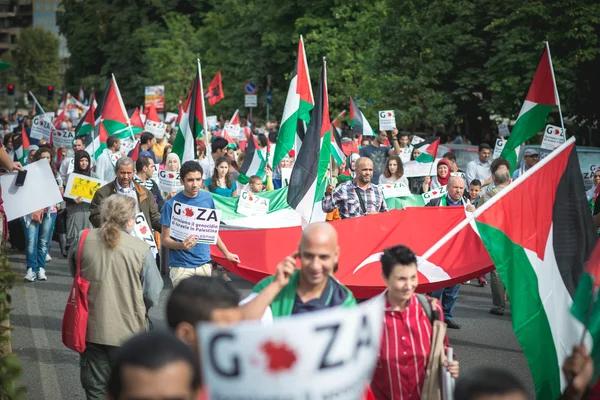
41,275
30,275
48,258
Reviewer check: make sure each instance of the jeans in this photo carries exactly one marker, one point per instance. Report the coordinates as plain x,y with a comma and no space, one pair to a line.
38,237
448,298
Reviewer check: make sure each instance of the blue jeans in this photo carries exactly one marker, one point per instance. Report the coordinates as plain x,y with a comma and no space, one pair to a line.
38,237
448,298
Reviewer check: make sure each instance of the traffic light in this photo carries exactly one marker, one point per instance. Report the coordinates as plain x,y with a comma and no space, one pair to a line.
11,89
50,92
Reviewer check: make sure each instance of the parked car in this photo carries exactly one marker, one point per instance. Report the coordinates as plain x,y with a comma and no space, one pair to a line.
589,160
465,153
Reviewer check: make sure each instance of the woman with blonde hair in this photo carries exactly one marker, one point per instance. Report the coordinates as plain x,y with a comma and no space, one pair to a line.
123,284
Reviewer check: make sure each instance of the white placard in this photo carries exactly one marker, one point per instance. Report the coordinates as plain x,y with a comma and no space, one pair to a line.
155,174
251,205
503,130
395,190
49,116
211,121
434,194
498,148
40,128
387,120
319,355
202,223
127,145
286,176
82,186
406,154
170,118
414,168
554,136
62,138
416,140
169,181
73,114
235,131
250,100
143,231
158,129
23,200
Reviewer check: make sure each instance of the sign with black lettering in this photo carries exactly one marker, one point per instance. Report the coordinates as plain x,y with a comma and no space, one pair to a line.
168,181
62,138
143,231
250,205
330,354
202,223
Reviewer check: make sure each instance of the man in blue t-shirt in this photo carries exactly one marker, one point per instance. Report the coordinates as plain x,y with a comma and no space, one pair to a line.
189,258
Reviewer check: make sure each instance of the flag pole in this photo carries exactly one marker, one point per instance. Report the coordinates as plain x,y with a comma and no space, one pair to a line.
123,110
36,102
471,218
562,124
201,91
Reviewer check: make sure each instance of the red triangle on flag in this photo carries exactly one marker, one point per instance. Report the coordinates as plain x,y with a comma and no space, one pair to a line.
152,114
542,90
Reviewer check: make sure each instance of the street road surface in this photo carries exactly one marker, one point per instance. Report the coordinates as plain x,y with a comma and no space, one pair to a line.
51,371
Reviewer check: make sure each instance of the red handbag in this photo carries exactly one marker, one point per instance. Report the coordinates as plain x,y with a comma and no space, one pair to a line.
74,323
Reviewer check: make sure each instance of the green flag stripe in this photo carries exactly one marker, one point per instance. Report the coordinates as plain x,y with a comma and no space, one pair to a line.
530,321
526,127
228,205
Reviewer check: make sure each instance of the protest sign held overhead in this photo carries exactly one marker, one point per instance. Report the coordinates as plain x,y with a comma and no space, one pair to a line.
155,95
62,138
554,136
318,355
498,148
387,120
40,128
202,223
251,205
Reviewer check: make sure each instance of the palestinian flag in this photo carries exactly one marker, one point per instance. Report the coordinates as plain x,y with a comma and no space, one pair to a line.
586,307
344,177
297,106
335,145
192,122
539,249
540,100
151,113
135,119
92,101
254,162
62,117
95,142
337,123
21,146
358,122
429,149
232,128
307,183
111,114
87,123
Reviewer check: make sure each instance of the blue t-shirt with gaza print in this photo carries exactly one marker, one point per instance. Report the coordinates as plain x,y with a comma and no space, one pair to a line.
200,253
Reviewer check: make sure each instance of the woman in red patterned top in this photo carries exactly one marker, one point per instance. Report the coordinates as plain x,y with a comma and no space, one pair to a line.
407,331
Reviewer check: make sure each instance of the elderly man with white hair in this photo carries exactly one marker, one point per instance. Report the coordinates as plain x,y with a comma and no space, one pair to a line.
453,198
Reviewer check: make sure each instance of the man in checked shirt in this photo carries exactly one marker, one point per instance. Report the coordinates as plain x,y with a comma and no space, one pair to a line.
357,197
407,331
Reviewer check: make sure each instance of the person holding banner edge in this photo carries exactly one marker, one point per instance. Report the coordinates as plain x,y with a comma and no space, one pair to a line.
188,258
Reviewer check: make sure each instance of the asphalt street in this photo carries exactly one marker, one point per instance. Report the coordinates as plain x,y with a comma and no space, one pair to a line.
51,371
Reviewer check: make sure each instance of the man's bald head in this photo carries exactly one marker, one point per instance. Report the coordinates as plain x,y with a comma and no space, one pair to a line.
364,170
319,253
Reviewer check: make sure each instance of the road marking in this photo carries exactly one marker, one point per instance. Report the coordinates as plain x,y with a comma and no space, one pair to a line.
48,377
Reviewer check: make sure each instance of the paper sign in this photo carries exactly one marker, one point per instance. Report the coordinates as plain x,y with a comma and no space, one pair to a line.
405,154
416,140
434,194
72,114
395,190
40,128
250,100
235,131
155,95
387,120
127,145
158,129
203,223
330,354
286,176
251,205
49,116
211,120
498,148
155,174
169,181
554,136
23,200
170,118
503,130
143,231
415,168
82,186
62,138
